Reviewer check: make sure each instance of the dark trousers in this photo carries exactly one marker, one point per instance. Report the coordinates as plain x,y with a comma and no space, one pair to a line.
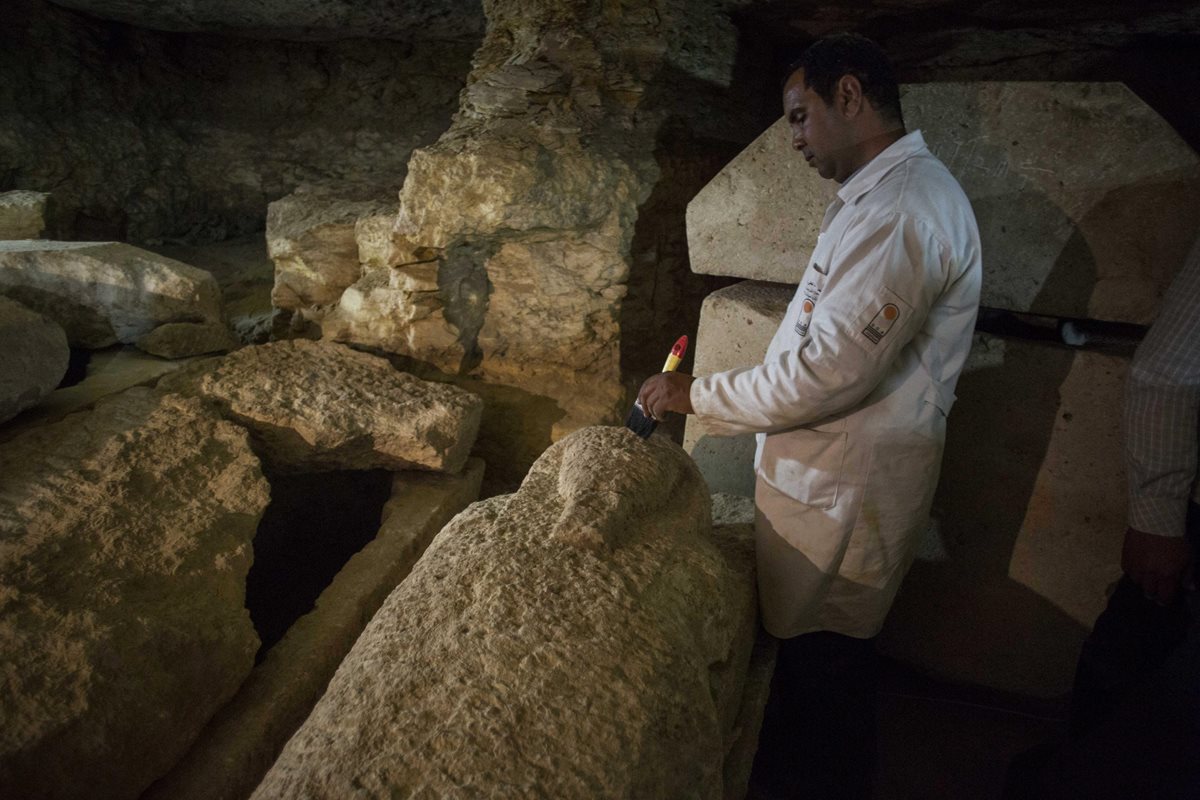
1135,710
819,732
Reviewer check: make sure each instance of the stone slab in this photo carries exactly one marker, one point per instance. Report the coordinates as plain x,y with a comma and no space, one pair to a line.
109,372
587,636
1067,230
33,357
23,214
126,536
316,406
736,326
102,293
242,741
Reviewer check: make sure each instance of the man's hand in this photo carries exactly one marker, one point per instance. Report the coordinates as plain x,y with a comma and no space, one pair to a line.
1155,563
666,391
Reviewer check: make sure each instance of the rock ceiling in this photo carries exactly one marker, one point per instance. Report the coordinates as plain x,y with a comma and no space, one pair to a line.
298,19
1106,22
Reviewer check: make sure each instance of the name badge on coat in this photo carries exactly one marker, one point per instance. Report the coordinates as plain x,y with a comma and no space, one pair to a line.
810,296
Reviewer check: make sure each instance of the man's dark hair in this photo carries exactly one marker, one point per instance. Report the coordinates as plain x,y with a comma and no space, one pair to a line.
828,59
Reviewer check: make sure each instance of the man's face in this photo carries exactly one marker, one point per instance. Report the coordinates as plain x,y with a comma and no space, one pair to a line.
821,134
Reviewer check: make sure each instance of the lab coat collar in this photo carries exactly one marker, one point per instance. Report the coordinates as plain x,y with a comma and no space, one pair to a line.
870,174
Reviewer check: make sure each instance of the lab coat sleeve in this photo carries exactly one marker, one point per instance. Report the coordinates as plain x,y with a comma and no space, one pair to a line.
891,260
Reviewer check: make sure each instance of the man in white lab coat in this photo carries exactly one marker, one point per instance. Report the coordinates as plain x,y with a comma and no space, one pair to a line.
851,400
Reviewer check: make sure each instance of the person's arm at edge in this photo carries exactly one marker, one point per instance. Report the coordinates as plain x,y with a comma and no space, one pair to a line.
1162,408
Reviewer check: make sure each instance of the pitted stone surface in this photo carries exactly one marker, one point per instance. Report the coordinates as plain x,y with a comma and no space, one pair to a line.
515,662
124,545
315,406
1093,231
33,357
106,292
23,214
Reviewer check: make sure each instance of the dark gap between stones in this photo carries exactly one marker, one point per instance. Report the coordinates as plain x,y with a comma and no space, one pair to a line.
77,367
311,528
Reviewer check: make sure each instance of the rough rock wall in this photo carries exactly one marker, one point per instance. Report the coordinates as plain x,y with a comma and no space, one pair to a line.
540,239
588,636
146,135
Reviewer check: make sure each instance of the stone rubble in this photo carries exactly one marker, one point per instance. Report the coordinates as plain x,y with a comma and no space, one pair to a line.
317,406
588,636
33,357
125,540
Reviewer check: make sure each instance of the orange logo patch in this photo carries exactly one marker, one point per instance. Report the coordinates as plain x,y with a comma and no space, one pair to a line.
881,323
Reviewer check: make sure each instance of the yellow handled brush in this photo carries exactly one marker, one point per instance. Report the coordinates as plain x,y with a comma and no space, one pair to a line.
637,421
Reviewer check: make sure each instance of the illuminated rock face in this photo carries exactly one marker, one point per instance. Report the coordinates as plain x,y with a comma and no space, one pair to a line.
316,406
311,239
33,357
587,636
1084,196
513,254
102,293
127,534
23,214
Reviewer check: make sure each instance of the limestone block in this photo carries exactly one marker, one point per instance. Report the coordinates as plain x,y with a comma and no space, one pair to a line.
588,636
33,357
736,326
553,307
244,738
1093,231
469,187
127,538
1029,521
184,339
311,239
106,292
23,214
315,406
373,238
390,310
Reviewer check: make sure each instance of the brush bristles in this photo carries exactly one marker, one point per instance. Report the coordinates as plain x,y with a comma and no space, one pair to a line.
639,423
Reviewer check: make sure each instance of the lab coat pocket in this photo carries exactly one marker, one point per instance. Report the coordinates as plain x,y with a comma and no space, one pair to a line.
805,465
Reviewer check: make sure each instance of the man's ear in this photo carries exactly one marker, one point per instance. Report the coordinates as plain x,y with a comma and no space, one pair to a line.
848,96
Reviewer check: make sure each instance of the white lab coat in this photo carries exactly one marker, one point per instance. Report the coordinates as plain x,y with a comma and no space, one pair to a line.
851,400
